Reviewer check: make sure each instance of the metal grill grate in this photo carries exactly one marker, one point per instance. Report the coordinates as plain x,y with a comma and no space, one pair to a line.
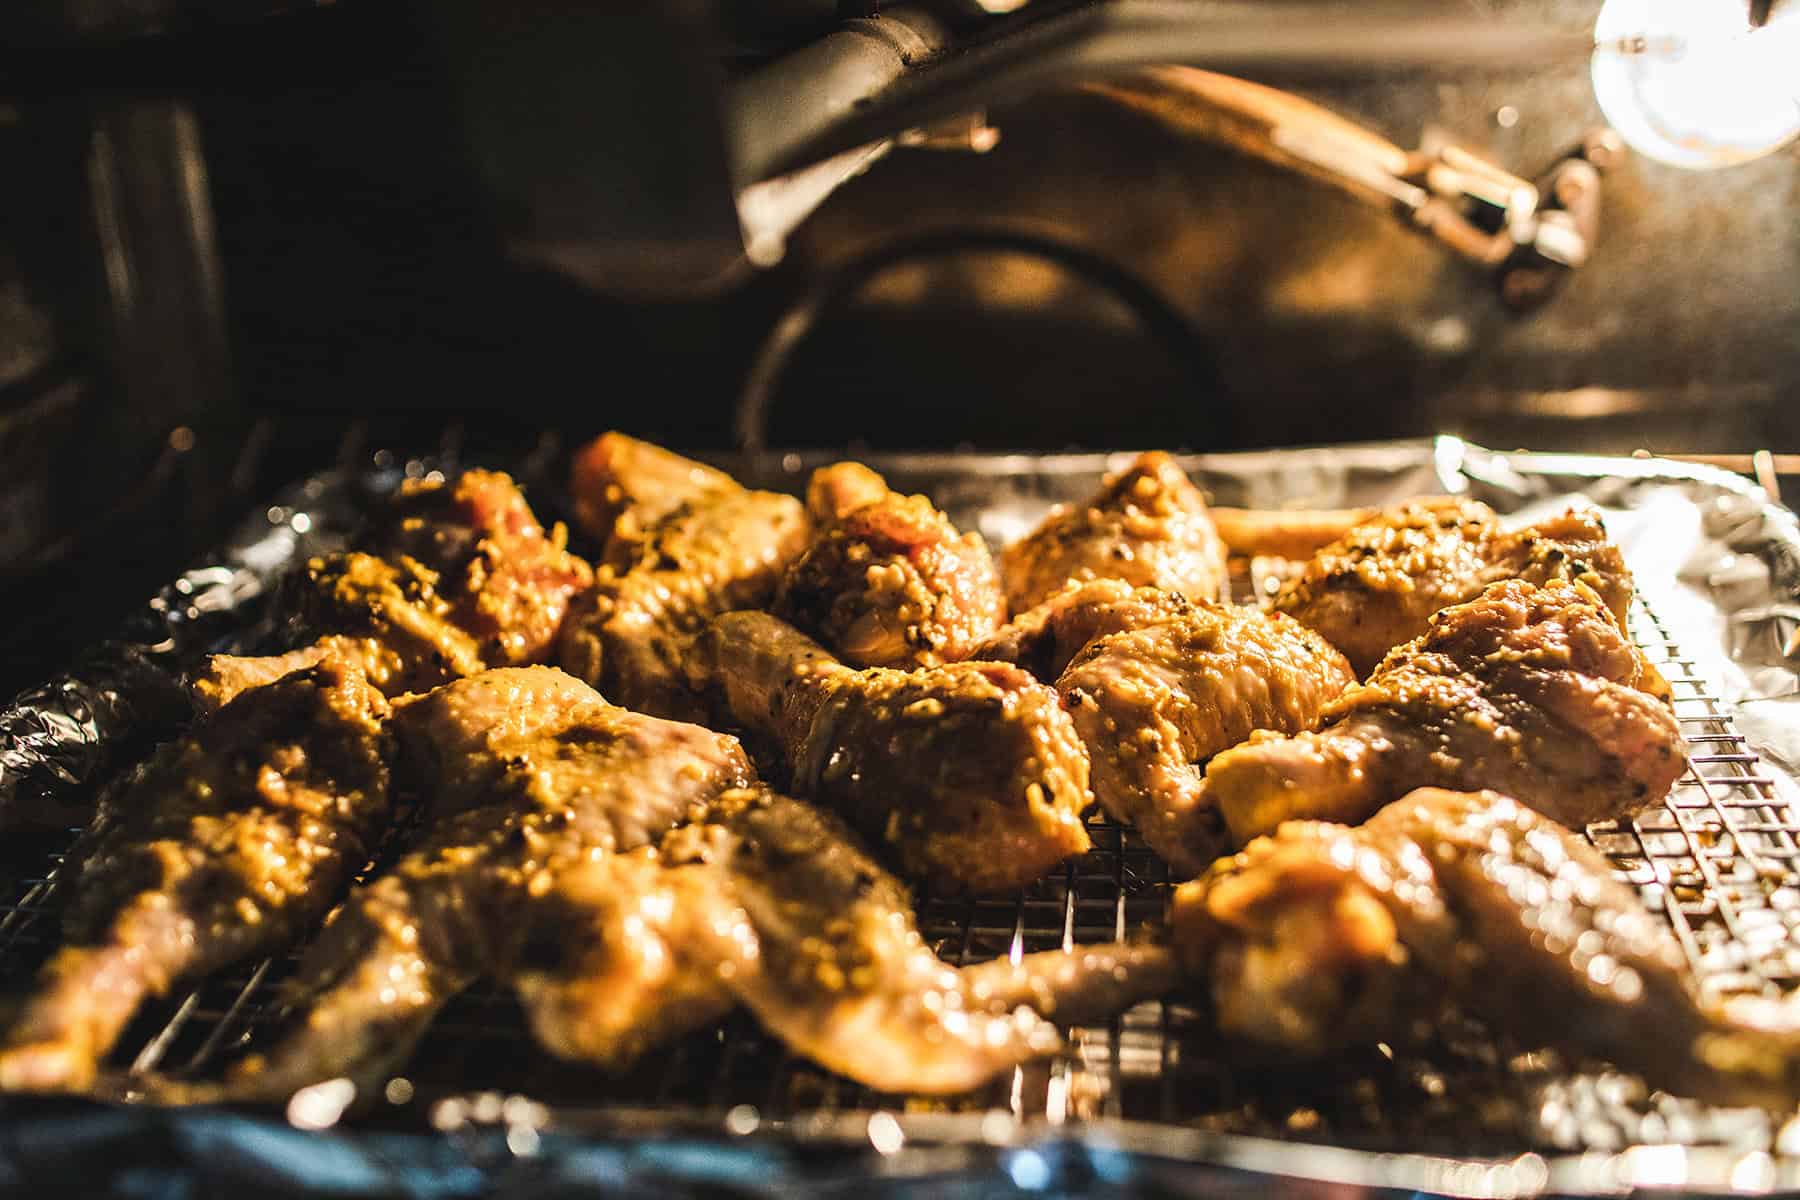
1718,859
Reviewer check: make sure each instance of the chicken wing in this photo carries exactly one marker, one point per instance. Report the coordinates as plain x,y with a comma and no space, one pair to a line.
1045,638
1147,525
548,778
668,568
970,773
1154,703
451,578
782,911
229,845
1525,689
1324,935
1380,584
887,580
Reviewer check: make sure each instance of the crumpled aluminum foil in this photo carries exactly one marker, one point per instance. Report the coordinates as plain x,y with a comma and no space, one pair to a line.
1719,563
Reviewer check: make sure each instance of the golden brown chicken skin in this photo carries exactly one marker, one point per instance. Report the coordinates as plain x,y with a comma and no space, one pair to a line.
537,778
1322,936
971,774
1379,585
452,578
1044,639
228,846
668,568
1148,525
1529,690
1153,704
888,581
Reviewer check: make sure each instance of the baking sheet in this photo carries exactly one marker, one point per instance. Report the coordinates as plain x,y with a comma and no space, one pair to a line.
1718,567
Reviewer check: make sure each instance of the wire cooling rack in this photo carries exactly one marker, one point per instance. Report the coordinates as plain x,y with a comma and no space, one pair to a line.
1718,859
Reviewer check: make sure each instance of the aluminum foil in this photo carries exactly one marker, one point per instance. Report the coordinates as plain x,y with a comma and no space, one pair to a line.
1719,564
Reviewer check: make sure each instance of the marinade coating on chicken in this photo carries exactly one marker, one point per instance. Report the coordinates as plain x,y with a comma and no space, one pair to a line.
1045,638
1153,704
1379,585
1324,935
887,580
1525,689
229,845
540,777
1148,525
722,547
624,487
969,773
451,578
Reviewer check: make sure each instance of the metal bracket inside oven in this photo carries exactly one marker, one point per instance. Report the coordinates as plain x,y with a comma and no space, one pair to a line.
1530,235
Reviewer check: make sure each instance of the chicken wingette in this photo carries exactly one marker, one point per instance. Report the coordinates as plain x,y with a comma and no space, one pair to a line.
1381,583
530,776
1322,936
1529,690
229,845
451,578
683,544
1148,525
887,580
970,774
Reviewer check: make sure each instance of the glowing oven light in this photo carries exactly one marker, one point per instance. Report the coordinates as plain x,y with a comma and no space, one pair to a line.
1691,82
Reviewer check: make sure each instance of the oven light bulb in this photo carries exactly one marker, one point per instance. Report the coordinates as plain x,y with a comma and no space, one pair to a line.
1693,84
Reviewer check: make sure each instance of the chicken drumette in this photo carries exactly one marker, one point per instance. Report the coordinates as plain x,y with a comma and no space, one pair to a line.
1529,690
683,544
228,845
1155,702
1147,525
1381,583
452,578
970,773
1323,936
888,581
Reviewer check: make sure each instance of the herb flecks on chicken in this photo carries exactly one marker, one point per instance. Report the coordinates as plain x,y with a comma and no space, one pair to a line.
971,774
771,904
1323,936
1148,525
228,846
1044,638
1154,703
452,578
669,567
1380,584
888,581
1528,690
541,778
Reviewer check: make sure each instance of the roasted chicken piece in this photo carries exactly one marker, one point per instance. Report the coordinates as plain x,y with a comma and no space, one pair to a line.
887,580
1323,936
1045,638
228,845
969,773
451,578
669,567
1147,525
531,776
1155,702
1380,584
1525,689
771,904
